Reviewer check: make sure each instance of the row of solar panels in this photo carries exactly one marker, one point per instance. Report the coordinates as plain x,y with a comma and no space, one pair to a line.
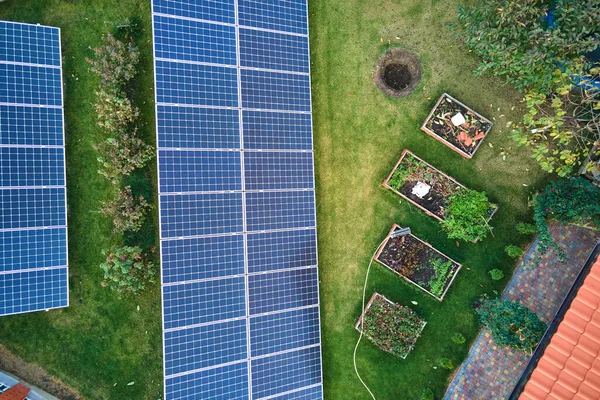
33,232
236,196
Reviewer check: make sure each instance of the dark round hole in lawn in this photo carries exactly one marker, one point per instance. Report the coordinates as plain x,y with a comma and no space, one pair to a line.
397,72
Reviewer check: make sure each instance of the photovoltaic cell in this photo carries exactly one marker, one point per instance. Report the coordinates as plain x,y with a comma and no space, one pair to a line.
33,248
199,171
30,208
27,84
33,44
280,210
282,250
275,90
279,15
214,10
34,126
278,170
315,392
32,166
205,346
271,50
202,302
186,40
201,128
277,130
283,290
229,382
285,372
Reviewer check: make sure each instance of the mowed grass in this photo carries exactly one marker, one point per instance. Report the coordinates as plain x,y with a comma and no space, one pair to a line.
101,342
359,135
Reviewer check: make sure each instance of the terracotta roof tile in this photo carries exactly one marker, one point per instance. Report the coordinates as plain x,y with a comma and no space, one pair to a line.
569,369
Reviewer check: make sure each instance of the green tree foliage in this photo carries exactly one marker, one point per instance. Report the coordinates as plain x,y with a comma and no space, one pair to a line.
125,269
119,157
516,43
568,200
127,212
115,62
467,215
513,251
511,324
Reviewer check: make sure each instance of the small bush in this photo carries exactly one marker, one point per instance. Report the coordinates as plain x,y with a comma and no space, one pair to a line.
446,363
125,269
427,394
467,215
526,229
128,213
513,251
496,274
115,111
115,62
120,156
458,338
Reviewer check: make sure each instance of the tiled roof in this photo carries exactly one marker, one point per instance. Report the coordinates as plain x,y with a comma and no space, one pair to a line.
570,366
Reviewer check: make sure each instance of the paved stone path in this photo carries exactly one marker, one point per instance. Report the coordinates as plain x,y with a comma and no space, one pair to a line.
491,372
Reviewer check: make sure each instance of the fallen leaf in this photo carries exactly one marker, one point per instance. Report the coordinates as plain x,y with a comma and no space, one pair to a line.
525,184
130,383
138,308
504,158
414,302
491,145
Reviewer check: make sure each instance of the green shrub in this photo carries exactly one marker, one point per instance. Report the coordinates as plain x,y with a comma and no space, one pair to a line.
120,156
446,363
513,251
115,62
127,212
496,274
427,394
526,229
511,324
467,215
125,269
442,270
458,338
516,43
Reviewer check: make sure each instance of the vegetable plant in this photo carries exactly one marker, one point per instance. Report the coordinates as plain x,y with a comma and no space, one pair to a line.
125,269
467,215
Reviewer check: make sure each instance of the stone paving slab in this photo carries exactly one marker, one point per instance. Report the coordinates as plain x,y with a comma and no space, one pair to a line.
491,372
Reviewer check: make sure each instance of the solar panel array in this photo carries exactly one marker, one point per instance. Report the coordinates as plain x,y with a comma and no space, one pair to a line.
237,203
33,220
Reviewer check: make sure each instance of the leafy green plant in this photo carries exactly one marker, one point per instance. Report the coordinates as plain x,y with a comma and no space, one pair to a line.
467,215
427,394
406,168
569,200
120,156
516,43
513,251
458,338
496,274
128,212
446,363
511,324
526,229
115,62
442,270
125,269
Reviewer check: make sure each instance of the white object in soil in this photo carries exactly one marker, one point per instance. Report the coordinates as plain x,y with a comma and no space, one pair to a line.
458,119
421,189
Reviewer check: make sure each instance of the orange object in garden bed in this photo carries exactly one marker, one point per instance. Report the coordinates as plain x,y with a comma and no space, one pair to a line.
457,126
419,263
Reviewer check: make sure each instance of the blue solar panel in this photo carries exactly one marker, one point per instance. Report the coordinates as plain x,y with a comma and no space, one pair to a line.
34,126
33,290
30,208
33,44
195,84
275,90
214,10
199,171
26,84
202,302
229,382
186,40
32,166
285,372
200,128
202,258
286,15
280,210
271,50
277,130
282,250
283,290
33,248
278,170
200,214
312,393
274,333
205,346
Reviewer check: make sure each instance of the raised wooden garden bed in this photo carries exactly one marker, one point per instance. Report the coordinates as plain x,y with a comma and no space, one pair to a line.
428,188
419,263
390,326
464,138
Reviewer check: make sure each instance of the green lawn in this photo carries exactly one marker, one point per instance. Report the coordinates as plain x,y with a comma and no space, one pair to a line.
359,135
101,340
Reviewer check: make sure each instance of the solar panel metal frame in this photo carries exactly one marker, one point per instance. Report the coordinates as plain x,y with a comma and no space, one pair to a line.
312,391
64,177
